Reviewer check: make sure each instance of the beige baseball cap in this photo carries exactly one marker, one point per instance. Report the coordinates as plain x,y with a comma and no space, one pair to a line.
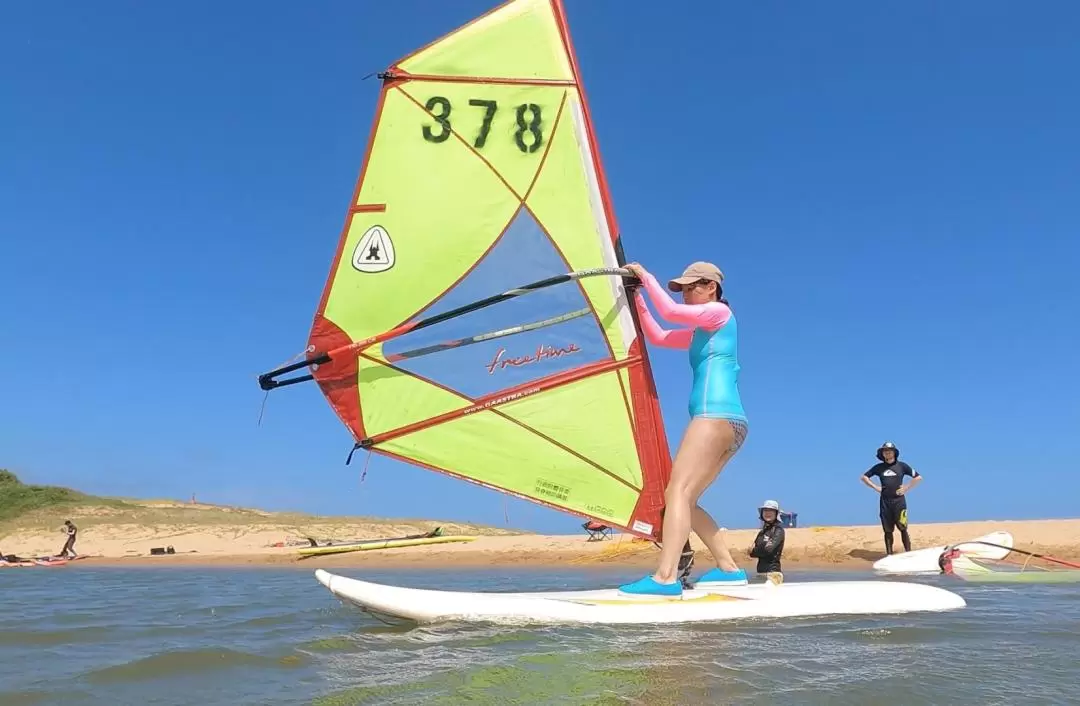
696,271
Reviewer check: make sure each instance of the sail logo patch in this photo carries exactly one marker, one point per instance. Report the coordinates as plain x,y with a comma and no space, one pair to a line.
375,251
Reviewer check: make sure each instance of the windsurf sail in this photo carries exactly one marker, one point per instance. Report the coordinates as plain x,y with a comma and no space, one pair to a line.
476,319
1016,566
995,545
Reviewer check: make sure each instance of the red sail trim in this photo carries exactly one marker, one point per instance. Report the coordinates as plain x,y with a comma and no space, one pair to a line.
403,75
334,377
337,378
605,195
652,447
653,453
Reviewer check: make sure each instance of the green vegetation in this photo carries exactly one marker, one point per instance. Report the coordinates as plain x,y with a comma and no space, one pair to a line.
18,499
45,506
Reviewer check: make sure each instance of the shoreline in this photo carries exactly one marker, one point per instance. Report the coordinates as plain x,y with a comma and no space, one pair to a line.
466,563
818,548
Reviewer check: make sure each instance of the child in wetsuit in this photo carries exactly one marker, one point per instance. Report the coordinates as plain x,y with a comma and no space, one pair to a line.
769,543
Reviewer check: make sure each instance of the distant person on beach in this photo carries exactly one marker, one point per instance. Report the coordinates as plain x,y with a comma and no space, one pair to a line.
11,558
69,546
769,543
892,506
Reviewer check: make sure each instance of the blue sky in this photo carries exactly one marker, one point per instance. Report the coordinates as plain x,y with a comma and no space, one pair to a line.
891,189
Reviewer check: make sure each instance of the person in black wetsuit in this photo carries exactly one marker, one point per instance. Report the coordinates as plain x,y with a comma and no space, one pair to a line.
769,543
893,503
69,546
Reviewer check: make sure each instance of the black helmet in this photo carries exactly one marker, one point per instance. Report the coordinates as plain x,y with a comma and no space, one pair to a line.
888,445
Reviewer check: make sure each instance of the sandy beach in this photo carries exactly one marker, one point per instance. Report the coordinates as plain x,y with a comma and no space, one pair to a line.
241,541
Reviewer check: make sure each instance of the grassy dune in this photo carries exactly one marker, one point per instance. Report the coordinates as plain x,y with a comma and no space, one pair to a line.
41,507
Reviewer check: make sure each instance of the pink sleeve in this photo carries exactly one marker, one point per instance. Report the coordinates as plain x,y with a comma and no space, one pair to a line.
679,338
710,316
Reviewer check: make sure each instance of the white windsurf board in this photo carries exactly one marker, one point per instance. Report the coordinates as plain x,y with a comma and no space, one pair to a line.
925,561
609,606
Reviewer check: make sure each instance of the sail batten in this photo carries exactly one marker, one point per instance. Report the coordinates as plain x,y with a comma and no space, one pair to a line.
404,76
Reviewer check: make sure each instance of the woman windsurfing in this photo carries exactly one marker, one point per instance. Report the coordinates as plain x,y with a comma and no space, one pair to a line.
717,421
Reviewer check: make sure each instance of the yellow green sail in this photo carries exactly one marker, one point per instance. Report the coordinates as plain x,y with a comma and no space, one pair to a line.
481,176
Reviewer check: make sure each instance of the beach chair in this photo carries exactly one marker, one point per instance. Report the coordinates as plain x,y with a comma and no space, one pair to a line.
597,532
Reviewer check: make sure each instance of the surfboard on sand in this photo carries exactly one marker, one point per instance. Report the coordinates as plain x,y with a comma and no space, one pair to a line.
374,544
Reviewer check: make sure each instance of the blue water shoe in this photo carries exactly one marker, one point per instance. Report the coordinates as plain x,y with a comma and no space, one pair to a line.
649,586
717,578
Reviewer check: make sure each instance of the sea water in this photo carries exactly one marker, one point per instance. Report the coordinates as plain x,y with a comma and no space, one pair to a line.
81,635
